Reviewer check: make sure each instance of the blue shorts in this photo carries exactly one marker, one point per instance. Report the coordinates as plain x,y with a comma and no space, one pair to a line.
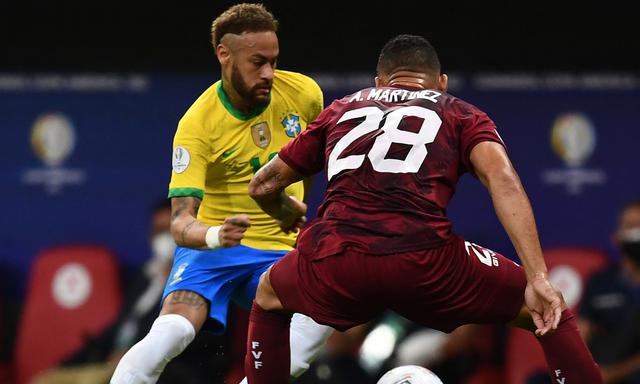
220,276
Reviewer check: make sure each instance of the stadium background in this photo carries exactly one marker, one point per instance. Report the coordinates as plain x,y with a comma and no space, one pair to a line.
117,77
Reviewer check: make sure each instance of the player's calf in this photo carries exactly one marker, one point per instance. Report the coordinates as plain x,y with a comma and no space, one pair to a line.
306,340
183,314
267,359
567,355
145,361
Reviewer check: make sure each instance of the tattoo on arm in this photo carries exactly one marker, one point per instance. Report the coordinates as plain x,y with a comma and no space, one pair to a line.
187,204
196,206
269,180
189,298
181,205
186,229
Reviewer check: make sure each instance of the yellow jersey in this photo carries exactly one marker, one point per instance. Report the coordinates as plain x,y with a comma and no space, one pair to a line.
217,149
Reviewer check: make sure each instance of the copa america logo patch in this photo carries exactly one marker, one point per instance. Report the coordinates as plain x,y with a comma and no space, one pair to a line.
180,159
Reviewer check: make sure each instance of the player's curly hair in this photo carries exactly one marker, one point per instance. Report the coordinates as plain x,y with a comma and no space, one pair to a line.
241,18
409,52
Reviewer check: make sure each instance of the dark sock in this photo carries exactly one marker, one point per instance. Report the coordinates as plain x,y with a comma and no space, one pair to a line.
568,357
267,360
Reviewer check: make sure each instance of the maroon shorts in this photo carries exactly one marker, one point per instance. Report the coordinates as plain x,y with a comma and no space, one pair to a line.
442,288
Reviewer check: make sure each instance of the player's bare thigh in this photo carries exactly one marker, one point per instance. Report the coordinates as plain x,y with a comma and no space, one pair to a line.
188,304
266,297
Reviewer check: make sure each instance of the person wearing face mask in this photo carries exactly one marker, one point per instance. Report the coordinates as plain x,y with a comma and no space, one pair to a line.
610,308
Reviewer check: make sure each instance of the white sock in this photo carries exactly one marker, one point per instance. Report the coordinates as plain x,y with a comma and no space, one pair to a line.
144,362
306,338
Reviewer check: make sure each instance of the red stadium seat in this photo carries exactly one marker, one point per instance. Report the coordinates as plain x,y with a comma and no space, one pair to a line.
569,269
73,292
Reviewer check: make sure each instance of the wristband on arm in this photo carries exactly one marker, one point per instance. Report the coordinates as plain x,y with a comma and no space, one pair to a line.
211,238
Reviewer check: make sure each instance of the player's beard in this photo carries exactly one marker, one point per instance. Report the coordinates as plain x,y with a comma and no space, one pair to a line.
248,93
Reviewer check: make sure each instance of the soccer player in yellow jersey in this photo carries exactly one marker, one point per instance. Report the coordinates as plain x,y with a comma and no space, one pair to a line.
225,241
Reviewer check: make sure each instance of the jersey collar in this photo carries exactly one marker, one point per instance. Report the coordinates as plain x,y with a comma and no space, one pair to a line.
233,111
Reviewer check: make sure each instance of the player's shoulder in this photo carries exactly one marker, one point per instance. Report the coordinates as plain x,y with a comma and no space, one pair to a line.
295,81
202,108
299,90
458,104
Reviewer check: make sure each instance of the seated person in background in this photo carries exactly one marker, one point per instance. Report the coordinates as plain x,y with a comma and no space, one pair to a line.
96,360
610,309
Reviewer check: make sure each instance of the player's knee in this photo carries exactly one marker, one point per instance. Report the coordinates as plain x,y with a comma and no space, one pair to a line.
265,296
177,330
169,335
187,304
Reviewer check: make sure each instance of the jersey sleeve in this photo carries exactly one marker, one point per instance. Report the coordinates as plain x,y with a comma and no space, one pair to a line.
306,153
476,128
189,161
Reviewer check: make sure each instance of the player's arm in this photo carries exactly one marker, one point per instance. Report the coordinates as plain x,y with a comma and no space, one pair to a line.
494,169
188,232
267,189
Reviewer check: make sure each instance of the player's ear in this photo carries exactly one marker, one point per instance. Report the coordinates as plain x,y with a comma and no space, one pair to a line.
223,53
443,82
380,81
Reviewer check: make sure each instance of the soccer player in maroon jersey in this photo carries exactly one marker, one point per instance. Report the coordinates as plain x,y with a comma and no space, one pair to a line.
382,240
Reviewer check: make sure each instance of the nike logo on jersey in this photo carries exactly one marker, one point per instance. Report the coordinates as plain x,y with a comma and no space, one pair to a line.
230,152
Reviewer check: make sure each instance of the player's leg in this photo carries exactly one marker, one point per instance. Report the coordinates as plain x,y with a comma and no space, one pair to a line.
268,351
306,340
306,337
327,291
183,314
467,283
199,288
568,358
567,355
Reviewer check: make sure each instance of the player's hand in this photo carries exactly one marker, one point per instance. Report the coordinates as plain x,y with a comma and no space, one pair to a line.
545,304
294,218
232,230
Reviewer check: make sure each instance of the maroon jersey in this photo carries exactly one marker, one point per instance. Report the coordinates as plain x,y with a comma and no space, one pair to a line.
393,158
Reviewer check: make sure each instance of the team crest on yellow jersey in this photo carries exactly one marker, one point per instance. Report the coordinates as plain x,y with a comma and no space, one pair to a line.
261,134
291,125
